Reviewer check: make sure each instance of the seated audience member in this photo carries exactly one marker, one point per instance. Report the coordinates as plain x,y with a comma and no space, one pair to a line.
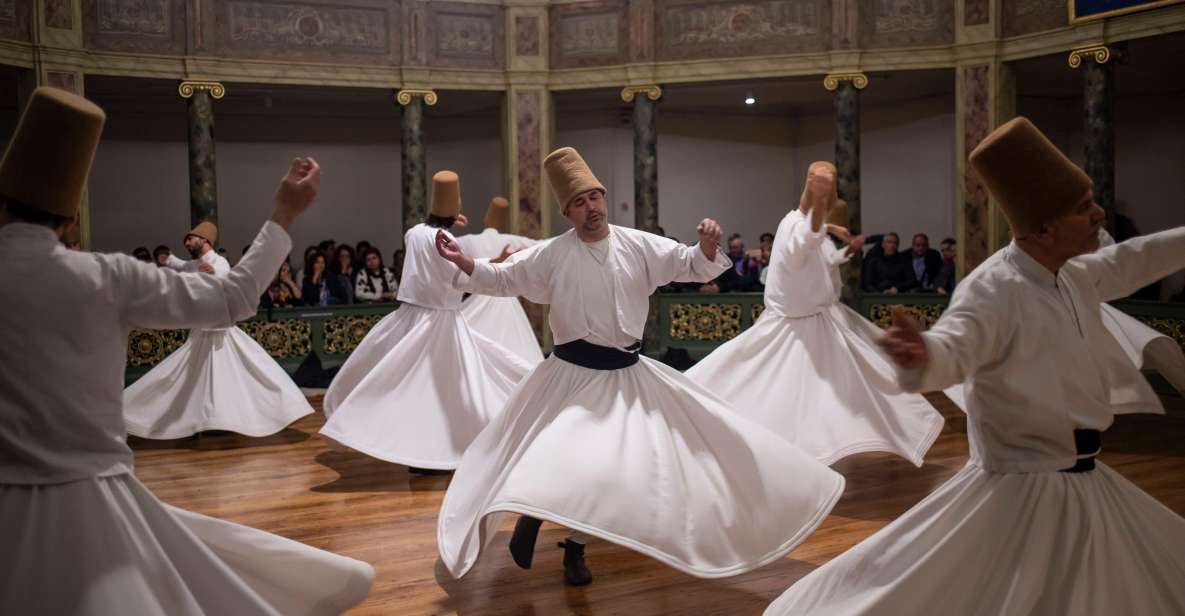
329,249
315,289
374,282
308,254
341,279
741,277
360,255
924,264
141,254
885,269
283,292
763,263
397,265
767,243
945,281
161,255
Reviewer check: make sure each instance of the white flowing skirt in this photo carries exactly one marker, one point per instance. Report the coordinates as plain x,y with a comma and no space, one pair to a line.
106,545
641,457
1012,544
220,379
821,383
503,320
419,389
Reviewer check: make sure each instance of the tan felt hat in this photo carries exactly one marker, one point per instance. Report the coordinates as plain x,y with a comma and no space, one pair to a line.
1028,176
821,164
446,194
838,214
49,158
206,230
498,214
569,176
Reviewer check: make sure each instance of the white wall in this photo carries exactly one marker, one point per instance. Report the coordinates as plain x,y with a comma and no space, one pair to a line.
748,171
139,190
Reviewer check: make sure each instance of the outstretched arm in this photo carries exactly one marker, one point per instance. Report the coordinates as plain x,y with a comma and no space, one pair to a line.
158,298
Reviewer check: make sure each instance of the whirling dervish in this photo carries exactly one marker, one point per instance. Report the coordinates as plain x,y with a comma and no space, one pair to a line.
422,384
220,379
81,534
500,319
809,369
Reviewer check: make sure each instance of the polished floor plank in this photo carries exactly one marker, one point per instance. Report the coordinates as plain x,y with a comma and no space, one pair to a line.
292,484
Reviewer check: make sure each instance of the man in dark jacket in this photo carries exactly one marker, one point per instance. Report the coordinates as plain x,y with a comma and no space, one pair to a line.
886,270
924,264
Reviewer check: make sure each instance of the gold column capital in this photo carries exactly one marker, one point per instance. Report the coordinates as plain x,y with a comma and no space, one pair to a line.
1101,54
188,88
652,92
831,81
403,97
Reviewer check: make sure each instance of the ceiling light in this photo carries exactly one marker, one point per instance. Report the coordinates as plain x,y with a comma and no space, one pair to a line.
749,100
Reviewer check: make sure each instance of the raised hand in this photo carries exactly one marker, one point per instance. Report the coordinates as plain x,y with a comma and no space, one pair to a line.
298,188
461,220
855,245
903,341
448,248
205,268
505,254
709,237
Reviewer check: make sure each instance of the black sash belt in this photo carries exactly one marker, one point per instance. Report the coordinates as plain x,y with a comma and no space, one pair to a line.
597,357
1087,443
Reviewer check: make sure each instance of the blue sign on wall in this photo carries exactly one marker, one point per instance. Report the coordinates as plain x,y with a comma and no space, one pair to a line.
1084,10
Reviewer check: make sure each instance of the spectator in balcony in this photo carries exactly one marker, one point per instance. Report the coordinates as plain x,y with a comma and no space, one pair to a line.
283,292
925,263
315,289
161,254
886,270
374,282
945,281
341,278
328,248
360,255
308,254
742,276
141,254
767,242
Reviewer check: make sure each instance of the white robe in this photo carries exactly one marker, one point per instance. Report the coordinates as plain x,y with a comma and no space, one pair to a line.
1144,347
809,369
422,384
1009,534
500,319
81,535
640,456
220,379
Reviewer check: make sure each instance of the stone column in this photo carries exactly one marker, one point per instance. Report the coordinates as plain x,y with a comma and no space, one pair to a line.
413,158
645,154
527,140
985,98
846,89
1099,115
203,176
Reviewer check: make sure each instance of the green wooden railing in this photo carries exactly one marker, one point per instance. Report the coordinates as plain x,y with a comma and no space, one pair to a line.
699,323
288,335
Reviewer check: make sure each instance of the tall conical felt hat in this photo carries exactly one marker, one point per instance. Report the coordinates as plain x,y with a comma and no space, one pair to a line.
838,214
1028,176
821,164
446,194
206,230
49,158
569,175
498,214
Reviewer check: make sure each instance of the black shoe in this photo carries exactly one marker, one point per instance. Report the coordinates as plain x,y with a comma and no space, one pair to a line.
522,543
431,472
576,573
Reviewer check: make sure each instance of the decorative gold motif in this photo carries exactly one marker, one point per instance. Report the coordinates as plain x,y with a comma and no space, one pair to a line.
188,88
756,311
148,347
344,334
926,314
281,339
831,82
1101,54
705,322
404,96
652,92
1173,328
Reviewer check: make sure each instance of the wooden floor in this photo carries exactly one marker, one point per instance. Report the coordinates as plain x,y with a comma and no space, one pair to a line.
291,484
